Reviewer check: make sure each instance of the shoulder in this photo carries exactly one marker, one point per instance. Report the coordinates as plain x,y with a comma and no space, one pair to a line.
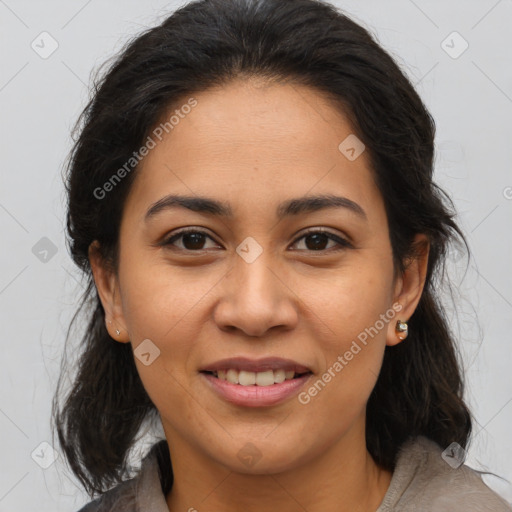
122,498
142,492
424,481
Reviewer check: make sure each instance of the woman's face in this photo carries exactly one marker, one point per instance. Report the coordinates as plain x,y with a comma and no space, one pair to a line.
251,291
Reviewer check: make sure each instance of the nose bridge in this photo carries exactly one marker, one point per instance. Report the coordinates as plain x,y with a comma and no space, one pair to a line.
254,299
254,281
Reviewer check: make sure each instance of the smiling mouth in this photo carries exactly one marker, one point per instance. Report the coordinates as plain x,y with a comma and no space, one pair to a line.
264,378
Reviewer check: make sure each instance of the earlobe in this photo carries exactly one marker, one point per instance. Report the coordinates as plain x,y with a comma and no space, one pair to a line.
398,330
409,288
108,291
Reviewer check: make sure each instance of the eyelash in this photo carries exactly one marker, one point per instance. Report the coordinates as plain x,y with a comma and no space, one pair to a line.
342,243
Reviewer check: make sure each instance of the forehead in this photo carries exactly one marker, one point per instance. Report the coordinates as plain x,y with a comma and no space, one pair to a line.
252,143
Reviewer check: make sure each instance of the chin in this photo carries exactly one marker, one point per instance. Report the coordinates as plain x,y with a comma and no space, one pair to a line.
261,457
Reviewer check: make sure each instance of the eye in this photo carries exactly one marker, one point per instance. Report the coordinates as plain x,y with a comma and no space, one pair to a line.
191,240
316,240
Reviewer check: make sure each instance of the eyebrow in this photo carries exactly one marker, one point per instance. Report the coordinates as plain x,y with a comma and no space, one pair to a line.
297,206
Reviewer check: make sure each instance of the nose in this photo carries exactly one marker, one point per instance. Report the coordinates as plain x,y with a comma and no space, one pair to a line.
256,298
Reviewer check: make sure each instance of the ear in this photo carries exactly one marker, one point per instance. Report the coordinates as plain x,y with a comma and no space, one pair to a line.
108,290
409,286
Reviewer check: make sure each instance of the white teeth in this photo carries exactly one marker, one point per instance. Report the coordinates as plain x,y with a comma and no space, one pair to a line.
245,378
232,376
279,376
264,378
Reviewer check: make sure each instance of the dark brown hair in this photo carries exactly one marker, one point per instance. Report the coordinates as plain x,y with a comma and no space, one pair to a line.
207,43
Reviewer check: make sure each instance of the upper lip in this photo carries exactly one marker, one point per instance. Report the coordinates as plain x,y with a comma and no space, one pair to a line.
256,365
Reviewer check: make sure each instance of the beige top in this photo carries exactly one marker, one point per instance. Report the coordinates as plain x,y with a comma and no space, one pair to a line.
422,482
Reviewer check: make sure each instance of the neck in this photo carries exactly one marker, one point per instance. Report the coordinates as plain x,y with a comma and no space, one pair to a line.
344,478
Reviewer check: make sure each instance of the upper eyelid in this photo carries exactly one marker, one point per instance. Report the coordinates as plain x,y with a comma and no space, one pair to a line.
185,231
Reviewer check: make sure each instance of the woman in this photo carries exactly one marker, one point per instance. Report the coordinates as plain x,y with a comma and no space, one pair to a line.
251,198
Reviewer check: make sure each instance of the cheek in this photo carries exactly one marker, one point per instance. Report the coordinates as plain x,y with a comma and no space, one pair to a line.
165,306
159,300
352,359
156,308
346,302
352,313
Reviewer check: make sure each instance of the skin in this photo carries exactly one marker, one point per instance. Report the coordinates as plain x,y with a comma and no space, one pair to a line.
253,145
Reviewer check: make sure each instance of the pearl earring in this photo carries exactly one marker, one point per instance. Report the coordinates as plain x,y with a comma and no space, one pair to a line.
402,330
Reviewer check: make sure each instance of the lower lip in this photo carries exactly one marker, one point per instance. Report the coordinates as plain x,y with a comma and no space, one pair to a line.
256,396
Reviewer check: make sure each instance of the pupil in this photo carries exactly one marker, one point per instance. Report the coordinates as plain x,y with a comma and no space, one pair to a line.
193,240
319,238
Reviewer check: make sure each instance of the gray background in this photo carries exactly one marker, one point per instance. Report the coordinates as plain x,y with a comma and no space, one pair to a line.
469,95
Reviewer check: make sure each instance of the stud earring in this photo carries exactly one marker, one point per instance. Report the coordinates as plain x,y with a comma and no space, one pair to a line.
118,332
402,330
